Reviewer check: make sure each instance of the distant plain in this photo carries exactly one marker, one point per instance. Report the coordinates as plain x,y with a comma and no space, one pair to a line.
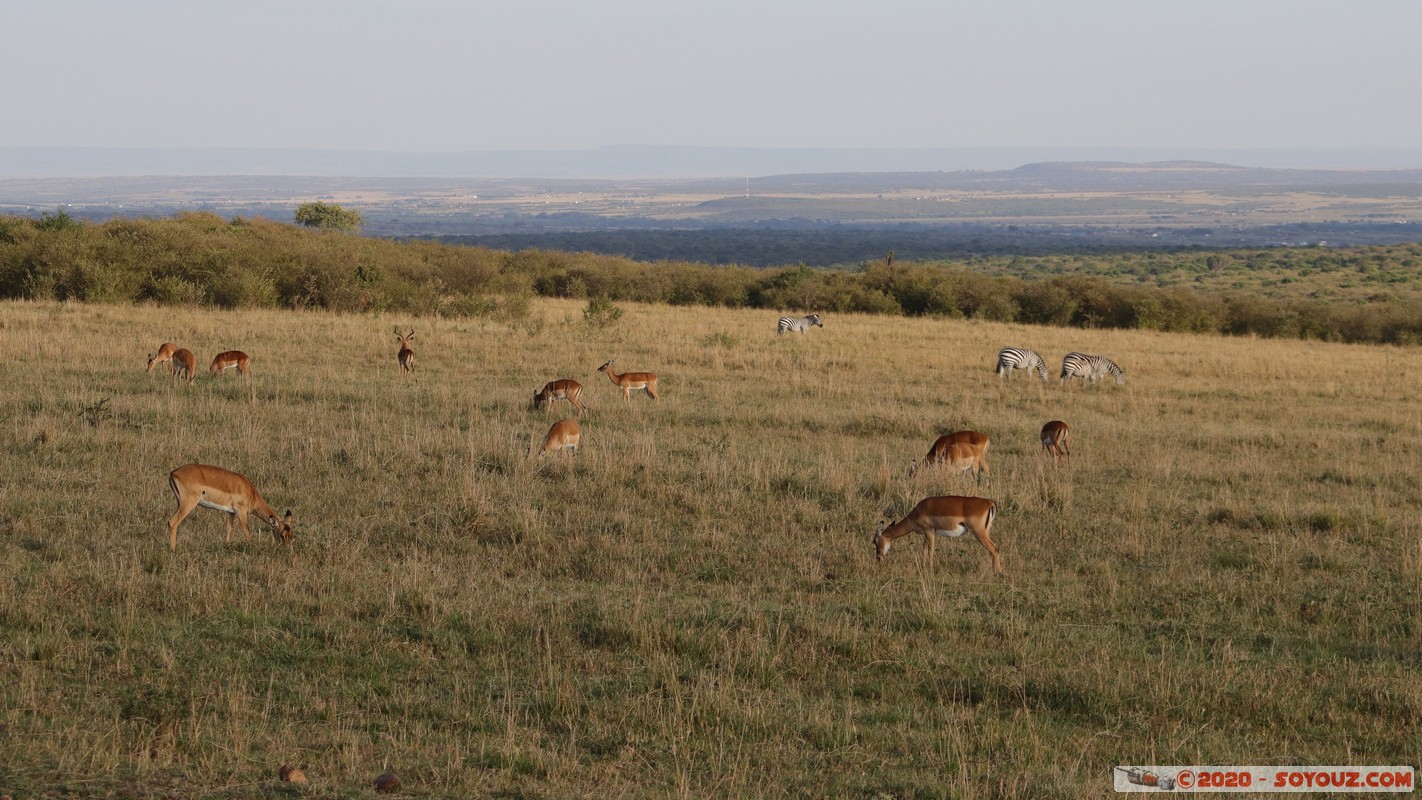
1143,205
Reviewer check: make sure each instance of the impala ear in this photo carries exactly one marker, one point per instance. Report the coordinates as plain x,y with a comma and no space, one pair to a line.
287,518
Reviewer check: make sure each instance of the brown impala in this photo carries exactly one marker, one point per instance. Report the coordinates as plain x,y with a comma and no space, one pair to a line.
1054,440
962,450
226,491
225,361
406,356
950,516
184,364
561,389
163,356
564,435
628,381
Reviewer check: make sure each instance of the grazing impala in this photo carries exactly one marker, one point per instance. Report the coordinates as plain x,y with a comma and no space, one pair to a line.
962,450
561,389
225,361
950,516
628,381
184,364
163,356
1054,440
564,435
214,487
406,356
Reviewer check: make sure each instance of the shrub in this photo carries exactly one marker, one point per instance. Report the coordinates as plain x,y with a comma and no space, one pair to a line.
601,313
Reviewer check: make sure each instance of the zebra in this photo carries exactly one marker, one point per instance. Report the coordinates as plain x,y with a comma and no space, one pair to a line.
1090,368
1019,358
801,324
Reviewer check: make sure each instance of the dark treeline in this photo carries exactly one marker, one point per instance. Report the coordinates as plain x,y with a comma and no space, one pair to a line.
203,259
820,244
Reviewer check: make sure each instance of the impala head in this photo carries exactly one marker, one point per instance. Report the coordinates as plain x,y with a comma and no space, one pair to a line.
881,545
605,367
404,337
281,528
152,358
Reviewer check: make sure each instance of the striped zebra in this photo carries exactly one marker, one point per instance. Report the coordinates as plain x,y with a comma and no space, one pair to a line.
801,324
1011,358
1090,368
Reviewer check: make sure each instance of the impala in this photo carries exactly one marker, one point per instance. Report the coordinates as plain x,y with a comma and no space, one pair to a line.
561,389
406,356
225,361
565,434
950,516
632,380
1054,440
214,487
163,356
963,450
184,363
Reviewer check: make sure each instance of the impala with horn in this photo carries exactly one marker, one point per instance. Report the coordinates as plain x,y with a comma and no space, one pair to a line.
406,356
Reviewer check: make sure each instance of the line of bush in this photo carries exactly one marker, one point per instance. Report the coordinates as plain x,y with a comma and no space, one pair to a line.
203,259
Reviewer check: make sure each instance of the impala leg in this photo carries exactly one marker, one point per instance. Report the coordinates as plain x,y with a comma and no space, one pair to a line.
242,518
185,507
986,541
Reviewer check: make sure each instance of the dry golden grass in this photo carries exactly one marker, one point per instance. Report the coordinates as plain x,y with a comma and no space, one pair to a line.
1228,571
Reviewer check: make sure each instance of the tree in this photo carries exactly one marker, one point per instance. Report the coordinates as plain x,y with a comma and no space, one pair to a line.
328,216
58,221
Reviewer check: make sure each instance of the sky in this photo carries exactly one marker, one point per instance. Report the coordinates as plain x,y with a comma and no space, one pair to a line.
433,76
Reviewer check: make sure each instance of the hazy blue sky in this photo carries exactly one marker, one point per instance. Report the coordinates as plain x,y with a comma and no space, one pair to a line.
451,75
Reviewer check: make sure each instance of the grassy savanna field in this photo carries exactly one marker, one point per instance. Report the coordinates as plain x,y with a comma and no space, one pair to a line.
1227,573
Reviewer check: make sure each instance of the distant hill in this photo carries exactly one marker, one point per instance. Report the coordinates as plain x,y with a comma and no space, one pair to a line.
649,161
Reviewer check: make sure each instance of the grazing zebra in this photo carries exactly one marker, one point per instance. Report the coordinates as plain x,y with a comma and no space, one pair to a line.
801,324
1090,368
1011,358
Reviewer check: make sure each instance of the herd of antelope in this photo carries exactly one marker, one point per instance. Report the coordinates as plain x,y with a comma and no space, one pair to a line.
183,364
195,485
